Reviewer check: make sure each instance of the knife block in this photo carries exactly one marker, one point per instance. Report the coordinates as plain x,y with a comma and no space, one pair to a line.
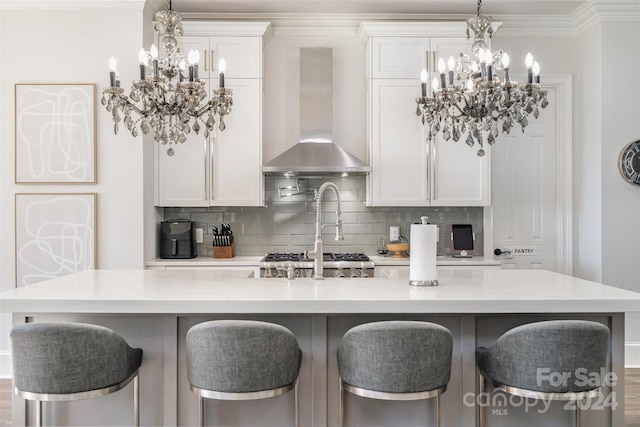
224,251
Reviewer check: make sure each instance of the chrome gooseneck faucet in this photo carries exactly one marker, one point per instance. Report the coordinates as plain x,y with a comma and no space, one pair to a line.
317,254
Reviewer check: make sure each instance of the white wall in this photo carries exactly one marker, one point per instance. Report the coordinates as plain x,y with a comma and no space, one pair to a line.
587,163
620,200
74,46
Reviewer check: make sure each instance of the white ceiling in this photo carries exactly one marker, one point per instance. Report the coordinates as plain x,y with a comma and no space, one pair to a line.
444,7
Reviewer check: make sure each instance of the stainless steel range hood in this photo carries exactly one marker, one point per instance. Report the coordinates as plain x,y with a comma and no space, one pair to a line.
316,153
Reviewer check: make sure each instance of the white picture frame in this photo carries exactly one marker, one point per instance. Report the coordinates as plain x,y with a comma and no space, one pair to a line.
55,133
55,235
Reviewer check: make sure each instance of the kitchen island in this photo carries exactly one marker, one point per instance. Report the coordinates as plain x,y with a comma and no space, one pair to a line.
153,309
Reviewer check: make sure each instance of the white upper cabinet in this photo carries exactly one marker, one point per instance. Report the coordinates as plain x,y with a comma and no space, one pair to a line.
407,170
399,57
398,153
225,168
236,154
242,55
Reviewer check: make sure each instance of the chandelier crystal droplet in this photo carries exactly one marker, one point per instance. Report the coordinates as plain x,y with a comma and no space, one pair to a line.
169,99
482,99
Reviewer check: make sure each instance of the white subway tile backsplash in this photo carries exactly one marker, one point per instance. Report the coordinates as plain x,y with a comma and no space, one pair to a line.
288,224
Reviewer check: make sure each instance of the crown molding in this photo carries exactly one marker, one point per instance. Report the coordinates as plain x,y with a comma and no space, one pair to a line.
542,25
227,28
348,24
587,15
71,4
618,10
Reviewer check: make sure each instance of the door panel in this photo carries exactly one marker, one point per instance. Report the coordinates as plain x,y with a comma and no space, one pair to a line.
400,172
236,158
524,175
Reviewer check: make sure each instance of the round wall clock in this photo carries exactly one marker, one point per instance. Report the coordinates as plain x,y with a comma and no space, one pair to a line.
629,162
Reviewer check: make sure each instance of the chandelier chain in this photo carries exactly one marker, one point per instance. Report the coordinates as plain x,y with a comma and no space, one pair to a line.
479,6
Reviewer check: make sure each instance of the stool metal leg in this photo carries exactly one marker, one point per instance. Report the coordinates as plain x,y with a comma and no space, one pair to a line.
578,415
201,411
479,401
341,392
38,420
136,402
296,392
438,413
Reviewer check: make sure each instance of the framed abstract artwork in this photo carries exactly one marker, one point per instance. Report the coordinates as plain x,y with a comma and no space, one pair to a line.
55,235
55,133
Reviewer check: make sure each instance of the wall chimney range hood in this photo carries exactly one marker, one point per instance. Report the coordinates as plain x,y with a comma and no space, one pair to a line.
316,154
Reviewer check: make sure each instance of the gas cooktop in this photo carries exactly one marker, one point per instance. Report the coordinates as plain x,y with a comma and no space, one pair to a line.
327,257
334,265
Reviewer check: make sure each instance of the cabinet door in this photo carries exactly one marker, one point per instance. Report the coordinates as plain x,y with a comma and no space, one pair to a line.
444,47
399,151
201,44
458,176
399,57
242,55
182,178
236,153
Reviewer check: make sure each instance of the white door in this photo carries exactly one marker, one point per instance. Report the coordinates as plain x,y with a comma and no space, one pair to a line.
527,218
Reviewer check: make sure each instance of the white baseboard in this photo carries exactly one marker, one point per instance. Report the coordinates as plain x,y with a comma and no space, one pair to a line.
5,364
632,355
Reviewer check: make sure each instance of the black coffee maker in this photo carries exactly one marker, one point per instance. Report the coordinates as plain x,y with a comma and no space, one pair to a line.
177,239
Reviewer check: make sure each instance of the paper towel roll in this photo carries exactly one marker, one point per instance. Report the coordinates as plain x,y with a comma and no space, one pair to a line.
422,264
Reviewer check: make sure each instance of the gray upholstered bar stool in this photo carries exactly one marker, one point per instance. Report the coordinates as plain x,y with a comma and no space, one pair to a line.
242,360
529,361
71,361
395,360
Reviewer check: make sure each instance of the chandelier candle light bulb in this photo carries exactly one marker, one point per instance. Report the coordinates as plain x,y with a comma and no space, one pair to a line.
192,65
536,71
528,61
154,60
196,62
488,59
221,66
441,69
144,60
482,101
112,72
505,65
423,84
451,64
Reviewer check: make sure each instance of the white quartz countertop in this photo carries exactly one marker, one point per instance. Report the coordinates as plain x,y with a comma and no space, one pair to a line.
207,291
441,261
254,261
237,261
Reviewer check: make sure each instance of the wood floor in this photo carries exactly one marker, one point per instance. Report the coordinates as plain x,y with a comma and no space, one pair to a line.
632,400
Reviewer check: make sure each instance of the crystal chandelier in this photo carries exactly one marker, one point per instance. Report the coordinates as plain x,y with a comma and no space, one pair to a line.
483,99
169,98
